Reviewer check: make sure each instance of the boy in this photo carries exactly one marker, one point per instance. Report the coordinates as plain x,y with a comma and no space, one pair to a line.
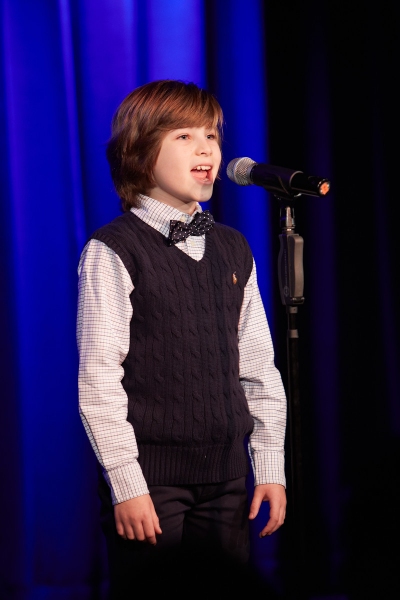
176,360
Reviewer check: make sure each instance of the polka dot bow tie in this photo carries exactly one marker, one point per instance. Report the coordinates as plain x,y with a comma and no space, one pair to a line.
178,231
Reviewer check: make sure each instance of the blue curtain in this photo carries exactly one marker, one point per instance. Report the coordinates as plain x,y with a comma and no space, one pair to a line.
65,67
302,85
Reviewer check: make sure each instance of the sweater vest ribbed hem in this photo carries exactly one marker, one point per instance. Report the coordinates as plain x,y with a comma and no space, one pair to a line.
177,465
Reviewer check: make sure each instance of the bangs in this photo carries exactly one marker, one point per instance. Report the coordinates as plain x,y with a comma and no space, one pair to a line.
198,114
189,106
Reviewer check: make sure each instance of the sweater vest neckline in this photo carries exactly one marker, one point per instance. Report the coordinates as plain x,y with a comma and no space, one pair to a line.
182,256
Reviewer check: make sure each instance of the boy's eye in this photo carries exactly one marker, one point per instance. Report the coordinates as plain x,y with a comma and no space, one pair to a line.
184,136
211,136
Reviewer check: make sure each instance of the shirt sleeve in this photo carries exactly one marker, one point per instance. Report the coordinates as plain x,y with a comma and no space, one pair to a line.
263,387
103,334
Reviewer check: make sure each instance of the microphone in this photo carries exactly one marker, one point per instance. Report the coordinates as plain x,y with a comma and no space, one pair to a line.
278,180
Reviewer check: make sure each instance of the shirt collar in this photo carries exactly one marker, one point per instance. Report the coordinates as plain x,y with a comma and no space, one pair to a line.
158,215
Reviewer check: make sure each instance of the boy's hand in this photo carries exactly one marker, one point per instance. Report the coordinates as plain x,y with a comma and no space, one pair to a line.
275,494
136,519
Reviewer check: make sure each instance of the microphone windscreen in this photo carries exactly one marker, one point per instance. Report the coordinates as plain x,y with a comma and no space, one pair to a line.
239,169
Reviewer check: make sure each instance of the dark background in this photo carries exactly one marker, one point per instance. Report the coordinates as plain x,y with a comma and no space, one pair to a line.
348,54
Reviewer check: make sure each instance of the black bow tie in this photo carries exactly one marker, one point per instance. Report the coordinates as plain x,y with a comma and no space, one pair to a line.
178,231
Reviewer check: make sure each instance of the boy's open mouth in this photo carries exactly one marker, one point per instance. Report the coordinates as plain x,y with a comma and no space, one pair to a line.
202,173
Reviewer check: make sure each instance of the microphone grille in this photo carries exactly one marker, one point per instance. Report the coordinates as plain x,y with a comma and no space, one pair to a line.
239,169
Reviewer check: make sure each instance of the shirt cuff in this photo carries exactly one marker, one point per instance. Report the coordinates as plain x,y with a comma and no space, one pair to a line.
126,482
269,467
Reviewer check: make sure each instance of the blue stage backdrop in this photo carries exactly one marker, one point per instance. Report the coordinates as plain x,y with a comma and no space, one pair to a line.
65,67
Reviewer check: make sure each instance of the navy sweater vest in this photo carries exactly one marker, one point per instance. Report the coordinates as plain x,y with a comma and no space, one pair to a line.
181,374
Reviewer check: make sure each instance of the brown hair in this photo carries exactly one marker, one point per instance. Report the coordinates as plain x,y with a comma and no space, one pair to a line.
140,123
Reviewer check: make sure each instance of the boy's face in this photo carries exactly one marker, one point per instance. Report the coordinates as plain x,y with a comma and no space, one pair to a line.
186,167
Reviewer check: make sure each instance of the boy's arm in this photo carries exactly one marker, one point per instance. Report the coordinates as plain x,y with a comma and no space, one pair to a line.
103,330
266,398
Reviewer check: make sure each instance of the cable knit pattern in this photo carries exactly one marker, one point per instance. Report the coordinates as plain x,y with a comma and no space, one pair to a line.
185,401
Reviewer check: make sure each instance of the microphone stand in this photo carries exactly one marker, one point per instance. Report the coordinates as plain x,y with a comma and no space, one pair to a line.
286,185
291,283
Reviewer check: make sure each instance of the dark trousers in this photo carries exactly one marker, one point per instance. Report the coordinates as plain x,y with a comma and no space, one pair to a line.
204,546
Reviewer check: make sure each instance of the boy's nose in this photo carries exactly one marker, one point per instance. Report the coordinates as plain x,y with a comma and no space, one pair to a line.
204,147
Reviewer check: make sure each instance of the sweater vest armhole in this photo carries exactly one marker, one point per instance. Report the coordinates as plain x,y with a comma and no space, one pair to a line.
249,261
121,252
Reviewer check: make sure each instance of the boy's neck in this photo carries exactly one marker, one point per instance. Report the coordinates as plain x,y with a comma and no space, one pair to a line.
185,207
